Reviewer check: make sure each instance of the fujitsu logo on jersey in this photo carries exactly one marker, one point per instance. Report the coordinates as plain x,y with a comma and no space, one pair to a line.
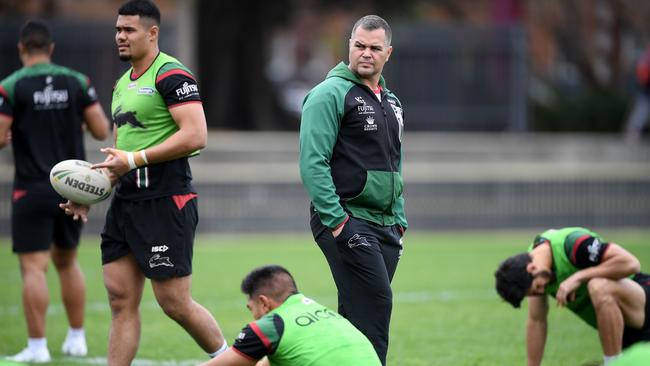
49,96
187,89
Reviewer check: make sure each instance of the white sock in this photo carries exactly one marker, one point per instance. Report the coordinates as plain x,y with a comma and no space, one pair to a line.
609,359
35,344
76,333
221,350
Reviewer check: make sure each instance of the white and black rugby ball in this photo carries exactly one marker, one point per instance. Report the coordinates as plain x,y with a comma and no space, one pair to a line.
76,181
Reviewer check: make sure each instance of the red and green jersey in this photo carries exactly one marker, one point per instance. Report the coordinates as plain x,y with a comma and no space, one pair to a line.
573,249
46,103
140,112
303,332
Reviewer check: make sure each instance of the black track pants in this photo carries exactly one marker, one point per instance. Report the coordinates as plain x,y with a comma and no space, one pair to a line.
363,259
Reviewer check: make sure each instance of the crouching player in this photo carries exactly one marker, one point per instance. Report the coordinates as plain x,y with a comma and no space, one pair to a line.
598,281
291,329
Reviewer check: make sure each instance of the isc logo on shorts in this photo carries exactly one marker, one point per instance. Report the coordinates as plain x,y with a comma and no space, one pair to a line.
159,249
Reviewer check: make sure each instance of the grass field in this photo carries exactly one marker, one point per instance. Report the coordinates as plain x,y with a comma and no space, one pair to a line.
445,310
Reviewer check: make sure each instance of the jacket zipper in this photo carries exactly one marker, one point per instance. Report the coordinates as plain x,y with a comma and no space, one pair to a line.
390,158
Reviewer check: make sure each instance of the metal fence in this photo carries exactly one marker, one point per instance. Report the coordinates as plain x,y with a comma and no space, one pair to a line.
250,182
268,207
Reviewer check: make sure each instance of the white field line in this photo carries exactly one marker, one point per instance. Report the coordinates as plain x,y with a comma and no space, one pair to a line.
136,362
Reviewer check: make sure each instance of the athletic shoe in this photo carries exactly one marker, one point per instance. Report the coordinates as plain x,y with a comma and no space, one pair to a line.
41,355
75,347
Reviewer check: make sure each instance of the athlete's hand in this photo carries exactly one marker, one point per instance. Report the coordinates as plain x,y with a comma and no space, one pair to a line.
116,163
76,210
112,177
337,230
567,291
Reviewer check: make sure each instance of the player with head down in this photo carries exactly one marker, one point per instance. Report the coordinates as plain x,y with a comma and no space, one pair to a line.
598,281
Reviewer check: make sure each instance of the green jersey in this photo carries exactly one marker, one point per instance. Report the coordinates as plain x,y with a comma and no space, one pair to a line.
302,332
573,249
639,355
140,112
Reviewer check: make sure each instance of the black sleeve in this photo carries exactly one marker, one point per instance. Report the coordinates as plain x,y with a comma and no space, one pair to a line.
586,251
89,96
539,240
256,341
5,106
178,86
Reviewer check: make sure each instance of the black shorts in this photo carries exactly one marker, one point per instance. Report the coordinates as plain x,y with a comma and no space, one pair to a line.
37,221
158,232
633,335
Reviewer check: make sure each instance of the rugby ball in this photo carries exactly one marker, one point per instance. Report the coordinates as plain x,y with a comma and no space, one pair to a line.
76,181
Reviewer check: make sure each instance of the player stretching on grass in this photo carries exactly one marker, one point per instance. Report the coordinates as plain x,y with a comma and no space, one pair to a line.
291,329
600,282
150,225
44,106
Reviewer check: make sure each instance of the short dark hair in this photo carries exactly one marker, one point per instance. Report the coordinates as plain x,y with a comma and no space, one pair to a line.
372,22
272,280
35,36
513,280
143,8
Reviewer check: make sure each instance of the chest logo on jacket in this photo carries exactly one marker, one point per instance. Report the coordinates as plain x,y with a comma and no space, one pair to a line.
370,124
364,108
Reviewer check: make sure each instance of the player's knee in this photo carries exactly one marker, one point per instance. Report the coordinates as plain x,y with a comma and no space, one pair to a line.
33,273
121,301
383,298
601,291
33,264
177,309
63,262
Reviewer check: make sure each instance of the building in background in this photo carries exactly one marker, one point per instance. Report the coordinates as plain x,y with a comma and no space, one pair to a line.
474,66
493,65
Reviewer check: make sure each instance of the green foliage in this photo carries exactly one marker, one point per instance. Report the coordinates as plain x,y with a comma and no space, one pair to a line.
445,312
594,111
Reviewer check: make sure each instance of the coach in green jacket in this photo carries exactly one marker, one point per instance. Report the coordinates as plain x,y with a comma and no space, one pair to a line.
350,164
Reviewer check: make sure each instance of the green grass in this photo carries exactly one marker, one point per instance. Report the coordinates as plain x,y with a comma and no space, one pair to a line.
445,312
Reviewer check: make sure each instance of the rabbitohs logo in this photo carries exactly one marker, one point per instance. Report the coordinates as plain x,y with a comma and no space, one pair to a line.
357,240
121,118
157,260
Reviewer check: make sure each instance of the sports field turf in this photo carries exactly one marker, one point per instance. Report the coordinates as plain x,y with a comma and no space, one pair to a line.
445,311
